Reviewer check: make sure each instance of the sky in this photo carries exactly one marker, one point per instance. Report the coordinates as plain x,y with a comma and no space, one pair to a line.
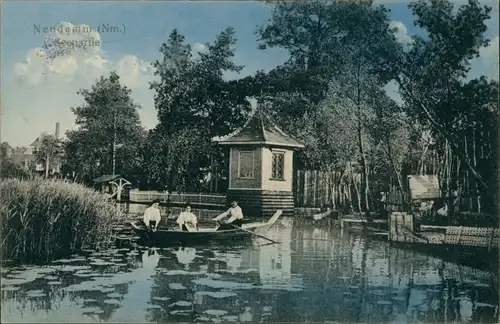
37,92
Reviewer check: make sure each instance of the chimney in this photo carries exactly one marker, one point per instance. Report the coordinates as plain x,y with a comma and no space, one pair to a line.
57,130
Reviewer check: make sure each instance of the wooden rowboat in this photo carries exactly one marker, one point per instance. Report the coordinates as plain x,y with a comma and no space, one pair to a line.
175,236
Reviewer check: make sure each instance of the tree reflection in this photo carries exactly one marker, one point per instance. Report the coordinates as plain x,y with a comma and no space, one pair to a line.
316,274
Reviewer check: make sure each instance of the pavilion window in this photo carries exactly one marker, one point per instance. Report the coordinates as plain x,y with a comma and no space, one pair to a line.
278,166
246,165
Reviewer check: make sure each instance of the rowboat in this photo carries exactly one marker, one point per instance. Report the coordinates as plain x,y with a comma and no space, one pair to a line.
166,236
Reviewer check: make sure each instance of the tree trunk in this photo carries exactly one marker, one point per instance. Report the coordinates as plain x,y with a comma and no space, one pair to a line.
449,167
47,165
478,200
451,138
365,169
358,192
421,162
333,190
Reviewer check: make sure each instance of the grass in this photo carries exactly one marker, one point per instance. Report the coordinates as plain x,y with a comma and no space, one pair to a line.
42,220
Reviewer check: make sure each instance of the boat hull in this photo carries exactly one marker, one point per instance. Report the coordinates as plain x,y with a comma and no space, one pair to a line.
176,237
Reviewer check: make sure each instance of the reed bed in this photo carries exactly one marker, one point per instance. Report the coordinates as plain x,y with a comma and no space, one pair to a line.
42,220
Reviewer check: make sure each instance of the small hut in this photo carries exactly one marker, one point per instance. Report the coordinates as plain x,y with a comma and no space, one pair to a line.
260,166
112,185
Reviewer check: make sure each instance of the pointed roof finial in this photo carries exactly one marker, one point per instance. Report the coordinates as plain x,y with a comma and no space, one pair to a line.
259,129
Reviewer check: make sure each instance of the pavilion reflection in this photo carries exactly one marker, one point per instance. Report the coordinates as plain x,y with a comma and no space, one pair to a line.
317,273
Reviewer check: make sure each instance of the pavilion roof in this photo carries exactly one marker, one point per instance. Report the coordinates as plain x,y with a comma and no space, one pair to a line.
259,129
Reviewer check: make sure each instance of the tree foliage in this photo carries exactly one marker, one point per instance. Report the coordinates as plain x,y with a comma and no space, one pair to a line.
11,164
330,94
194,102
108,118
432,79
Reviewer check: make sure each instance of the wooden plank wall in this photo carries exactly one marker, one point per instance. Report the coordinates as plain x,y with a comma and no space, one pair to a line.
315,189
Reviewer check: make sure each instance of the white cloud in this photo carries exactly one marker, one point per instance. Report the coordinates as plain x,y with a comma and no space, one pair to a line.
401,32
198,48
40,91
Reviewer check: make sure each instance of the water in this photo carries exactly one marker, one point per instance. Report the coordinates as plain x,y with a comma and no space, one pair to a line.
317,274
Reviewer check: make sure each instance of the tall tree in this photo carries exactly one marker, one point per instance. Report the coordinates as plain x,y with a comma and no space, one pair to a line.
48,152
109,135
319,36
194,102
11,166
330,43
432,80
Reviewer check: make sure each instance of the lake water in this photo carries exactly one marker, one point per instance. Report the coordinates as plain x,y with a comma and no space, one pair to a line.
317,273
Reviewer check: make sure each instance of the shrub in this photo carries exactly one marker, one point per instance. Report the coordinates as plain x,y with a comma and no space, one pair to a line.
46,219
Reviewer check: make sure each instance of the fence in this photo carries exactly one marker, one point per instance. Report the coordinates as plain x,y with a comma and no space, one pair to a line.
178,198
318,189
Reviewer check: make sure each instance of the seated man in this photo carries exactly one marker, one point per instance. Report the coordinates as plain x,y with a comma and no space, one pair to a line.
187,220
236,217
152,214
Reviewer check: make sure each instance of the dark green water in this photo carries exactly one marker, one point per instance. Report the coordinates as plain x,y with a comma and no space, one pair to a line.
317,274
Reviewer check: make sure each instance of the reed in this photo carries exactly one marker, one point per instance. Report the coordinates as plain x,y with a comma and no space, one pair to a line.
42,220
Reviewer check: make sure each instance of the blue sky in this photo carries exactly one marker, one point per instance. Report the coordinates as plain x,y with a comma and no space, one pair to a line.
38,94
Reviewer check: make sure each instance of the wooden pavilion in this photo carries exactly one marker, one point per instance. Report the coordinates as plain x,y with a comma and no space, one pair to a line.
260,166
112,185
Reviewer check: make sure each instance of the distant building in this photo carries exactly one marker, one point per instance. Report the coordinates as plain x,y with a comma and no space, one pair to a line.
30,156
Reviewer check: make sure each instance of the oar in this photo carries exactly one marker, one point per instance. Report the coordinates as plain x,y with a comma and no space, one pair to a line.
261,236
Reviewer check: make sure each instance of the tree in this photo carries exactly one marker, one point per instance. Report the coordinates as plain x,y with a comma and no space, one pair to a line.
318,35
48,152
10,167
194,103
109,135
432,80
333,54
390,135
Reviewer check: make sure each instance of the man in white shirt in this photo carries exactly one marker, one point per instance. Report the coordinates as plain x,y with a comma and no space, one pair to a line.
187,220
152,214
236,216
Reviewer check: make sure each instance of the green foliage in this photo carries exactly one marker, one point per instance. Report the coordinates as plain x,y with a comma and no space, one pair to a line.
46,219
109,117
48,152
332,50
10,164
432,78
321,38
330,94
194,103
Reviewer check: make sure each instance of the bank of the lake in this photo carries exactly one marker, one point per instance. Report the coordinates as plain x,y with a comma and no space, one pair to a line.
45,219
317,273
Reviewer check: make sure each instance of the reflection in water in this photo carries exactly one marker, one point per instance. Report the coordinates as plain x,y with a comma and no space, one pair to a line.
315,274
185,255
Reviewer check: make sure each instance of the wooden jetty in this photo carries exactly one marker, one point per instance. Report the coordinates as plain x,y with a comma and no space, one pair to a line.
402,229
350,220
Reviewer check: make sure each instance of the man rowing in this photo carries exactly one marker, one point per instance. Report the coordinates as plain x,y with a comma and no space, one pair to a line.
235,217
152,214
187,220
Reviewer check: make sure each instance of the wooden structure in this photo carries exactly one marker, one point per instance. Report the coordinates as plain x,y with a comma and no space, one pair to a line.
424,187
401,229
211,200
345,222
112,185
260,166
320,189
